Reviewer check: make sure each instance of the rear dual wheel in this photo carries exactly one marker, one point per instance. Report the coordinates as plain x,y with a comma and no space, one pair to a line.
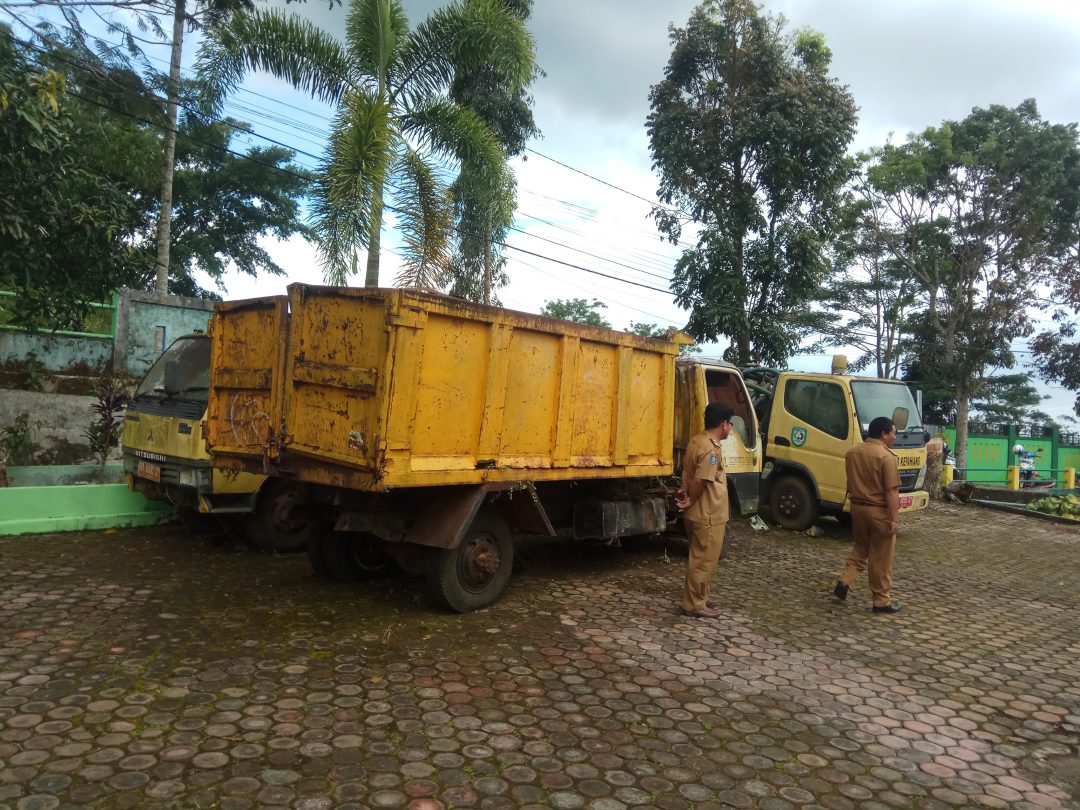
473,575
349,556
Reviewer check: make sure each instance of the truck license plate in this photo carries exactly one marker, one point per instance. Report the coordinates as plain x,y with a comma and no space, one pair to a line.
153,471
905,501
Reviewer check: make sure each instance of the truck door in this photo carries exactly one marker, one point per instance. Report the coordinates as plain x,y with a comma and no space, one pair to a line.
811,427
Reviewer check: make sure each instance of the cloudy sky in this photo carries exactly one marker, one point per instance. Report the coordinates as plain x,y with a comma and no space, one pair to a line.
908,63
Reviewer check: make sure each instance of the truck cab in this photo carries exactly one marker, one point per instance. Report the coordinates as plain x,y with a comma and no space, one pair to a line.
165,455
809,421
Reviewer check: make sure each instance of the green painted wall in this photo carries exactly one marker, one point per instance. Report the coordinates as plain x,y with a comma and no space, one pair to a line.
76,507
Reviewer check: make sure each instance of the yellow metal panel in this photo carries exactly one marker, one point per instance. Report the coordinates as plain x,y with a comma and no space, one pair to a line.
391,388
650,406
450,395
335,373
564,417
619,438
531,401
594,405
498,380
247,362
164,435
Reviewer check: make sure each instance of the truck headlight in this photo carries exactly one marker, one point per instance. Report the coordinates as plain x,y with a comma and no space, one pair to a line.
921,479
204,479
187,477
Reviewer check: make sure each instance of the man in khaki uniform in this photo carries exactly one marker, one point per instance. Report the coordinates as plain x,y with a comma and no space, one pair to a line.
704,501
873,484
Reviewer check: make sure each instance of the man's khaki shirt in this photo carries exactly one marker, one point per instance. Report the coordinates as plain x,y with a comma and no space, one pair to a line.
872,470
703,461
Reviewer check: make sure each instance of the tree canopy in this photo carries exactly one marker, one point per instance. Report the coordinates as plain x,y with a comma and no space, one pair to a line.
748,134
394,123
82,148
980,214
579,310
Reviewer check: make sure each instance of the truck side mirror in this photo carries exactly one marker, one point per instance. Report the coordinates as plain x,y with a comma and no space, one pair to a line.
172,377
900,417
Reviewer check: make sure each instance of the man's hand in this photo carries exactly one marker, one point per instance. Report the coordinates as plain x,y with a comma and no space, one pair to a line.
682,500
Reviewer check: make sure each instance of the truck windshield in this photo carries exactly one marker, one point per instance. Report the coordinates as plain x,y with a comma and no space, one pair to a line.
875,398
192,355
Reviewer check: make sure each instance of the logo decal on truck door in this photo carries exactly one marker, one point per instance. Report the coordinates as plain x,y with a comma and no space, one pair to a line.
798,436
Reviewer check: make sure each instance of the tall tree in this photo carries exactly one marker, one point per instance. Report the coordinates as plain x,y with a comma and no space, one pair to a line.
393,118
748,134
980,213
1009,399
482,218
90,188
62,229
186,16
868,299
579,310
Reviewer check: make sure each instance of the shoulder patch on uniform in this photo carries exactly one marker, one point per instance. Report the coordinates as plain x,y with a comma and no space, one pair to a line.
712,459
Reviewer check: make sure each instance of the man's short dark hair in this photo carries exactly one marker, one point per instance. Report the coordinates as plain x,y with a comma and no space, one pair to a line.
881,424
716,413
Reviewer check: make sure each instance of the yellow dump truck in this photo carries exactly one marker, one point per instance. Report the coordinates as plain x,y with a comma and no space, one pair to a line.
165,455
426,430
809,421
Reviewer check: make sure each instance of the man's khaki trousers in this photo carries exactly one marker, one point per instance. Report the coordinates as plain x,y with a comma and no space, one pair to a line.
706,543
873,551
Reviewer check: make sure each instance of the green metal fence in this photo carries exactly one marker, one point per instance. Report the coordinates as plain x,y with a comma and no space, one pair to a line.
989,453
99,323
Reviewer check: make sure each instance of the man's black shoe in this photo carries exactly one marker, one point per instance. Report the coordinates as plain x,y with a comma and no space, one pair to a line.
841,589
893,608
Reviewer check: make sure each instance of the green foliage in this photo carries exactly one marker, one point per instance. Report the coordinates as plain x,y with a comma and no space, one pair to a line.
17,441
389,84
979,213
578,310
1008,398
483,212
653,331
103,433
32,370
1067,506
748,134
868,299
63,227
1057,359
91,186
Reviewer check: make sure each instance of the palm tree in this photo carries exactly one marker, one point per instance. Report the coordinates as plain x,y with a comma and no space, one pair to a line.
394,120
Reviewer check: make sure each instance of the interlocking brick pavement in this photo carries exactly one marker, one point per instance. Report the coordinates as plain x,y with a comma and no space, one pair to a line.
145,668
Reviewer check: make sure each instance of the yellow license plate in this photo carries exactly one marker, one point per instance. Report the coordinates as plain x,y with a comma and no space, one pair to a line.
149,471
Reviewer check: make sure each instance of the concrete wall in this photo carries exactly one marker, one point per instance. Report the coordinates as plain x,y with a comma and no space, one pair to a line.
60,354
59,422
146,323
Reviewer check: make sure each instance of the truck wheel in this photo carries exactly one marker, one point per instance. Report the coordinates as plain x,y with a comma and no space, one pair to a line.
474,574
349,556
272,527
792,503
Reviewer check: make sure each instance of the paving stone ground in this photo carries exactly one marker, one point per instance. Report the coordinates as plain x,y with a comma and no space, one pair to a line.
146,668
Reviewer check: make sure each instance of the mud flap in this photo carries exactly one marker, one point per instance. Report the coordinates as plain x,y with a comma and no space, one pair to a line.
447,514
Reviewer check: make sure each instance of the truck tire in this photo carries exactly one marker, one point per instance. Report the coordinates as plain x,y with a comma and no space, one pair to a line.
349,556
473,575
792,503
271,527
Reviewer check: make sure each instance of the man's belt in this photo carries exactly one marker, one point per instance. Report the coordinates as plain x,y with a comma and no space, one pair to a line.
865,503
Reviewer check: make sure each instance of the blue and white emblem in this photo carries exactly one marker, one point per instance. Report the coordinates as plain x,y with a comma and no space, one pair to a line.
712,459
798,436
